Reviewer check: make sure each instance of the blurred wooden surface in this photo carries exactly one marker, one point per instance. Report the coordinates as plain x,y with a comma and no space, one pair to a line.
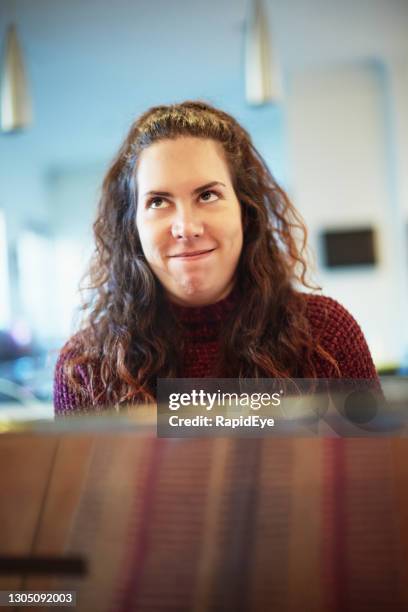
318,514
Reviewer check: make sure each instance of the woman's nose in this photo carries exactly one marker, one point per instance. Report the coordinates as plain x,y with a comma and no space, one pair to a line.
187,224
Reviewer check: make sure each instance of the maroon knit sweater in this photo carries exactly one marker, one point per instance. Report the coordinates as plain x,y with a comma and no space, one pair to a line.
331,323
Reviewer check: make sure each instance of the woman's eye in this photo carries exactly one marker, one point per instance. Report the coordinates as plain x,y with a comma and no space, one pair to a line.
209,196
157,203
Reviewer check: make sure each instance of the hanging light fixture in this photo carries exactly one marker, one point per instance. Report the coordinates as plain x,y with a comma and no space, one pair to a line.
15,102
262,73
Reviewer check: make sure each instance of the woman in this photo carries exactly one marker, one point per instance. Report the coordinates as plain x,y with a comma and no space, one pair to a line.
194,271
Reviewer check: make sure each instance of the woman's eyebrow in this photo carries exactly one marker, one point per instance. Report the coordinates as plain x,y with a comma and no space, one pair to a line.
208,186
196,190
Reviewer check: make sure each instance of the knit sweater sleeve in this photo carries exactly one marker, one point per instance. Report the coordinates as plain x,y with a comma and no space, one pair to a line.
340,335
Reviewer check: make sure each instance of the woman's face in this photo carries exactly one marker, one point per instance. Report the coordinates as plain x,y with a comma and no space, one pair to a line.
189,219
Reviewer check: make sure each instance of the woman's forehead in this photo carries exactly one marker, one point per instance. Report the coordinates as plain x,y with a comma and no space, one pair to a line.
181,161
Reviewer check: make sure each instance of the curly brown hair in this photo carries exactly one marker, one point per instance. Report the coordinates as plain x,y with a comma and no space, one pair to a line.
129,336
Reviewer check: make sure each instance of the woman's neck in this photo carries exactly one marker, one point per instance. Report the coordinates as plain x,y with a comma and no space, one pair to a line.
205,313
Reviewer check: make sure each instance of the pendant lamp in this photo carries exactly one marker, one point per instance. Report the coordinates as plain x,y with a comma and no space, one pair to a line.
262,74
15,103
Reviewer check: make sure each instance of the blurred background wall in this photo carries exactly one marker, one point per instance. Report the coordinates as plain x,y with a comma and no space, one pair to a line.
337,140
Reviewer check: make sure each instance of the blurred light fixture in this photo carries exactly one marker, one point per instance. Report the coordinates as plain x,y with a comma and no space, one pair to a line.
15,102
263,83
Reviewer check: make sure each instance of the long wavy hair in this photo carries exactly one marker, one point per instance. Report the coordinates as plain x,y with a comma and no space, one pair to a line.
129,336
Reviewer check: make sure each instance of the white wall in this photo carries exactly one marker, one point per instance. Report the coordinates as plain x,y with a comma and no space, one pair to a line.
340,139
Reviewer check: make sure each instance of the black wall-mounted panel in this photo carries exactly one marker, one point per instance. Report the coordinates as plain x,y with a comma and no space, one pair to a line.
349,247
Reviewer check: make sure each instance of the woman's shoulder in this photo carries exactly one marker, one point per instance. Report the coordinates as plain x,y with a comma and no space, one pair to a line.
67,397
327,314
71,350
338,332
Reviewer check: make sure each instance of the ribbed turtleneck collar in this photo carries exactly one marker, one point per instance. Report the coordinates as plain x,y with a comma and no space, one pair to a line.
205,321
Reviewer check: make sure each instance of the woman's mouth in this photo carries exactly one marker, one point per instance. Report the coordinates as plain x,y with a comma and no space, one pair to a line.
187,255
